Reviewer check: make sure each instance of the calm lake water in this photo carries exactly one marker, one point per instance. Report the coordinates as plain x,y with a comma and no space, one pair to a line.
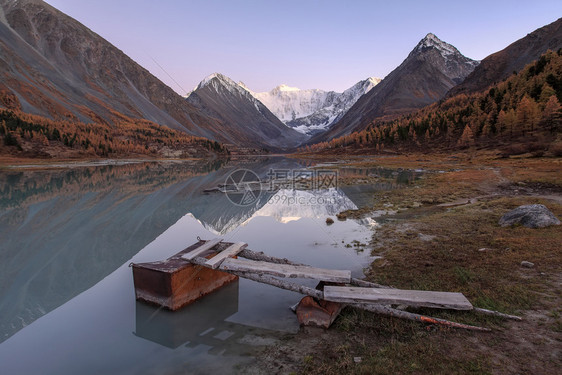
67,302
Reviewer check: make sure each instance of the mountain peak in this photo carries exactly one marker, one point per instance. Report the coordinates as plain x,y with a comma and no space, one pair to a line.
432,37
284,87
216,76
430,70
374,80
432,41
312,110
243,85
242,118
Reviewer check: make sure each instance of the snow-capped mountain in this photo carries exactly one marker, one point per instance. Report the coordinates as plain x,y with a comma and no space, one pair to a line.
242,117
334,201
312,111
276,206
218,81
431,69
456,65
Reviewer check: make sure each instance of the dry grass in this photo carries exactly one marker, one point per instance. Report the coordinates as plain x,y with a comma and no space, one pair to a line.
451,261
438,248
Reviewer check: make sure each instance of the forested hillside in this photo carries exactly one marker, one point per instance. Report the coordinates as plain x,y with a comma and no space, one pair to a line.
521,114
34,136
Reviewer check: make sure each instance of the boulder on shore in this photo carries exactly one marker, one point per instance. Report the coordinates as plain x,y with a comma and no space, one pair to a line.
530,216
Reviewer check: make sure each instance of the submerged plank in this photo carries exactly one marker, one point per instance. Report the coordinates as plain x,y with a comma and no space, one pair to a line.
201,249
286,270
418,298
230,251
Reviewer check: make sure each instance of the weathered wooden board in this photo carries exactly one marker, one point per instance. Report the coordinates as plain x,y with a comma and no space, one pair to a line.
201,249
418,298
229,252
286,270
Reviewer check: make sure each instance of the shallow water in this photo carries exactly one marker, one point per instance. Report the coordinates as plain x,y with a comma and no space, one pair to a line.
68,235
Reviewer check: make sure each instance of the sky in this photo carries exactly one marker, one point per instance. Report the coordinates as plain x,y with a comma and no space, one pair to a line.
326,44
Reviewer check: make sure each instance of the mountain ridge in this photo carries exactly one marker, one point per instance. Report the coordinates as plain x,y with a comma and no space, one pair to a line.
310,111
519,115
500,65
429,71
54,66
249,120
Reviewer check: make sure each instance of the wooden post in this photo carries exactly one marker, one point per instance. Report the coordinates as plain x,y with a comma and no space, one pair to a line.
388,311
496,313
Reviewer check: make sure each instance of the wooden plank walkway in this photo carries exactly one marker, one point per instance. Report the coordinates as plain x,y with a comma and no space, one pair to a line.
263,268
286,270
416,298
229,252
201,249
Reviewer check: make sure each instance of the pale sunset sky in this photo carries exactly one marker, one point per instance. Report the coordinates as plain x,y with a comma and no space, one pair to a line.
328,45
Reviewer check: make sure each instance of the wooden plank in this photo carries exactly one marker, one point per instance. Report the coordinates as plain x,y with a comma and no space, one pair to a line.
229,252
268,280
380,309
418,298
286,270
201,249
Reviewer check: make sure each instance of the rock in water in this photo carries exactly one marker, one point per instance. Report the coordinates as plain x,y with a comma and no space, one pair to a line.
530,216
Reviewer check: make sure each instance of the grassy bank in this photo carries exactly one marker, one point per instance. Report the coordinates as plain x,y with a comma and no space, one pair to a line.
440,239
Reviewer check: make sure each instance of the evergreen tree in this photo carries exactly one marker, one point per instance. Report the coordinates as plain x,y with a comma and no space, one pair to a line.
552,115
467,137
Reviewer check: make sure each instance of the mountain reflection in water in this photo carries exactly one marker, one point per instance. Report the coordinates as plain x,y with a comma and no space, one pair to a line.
64,231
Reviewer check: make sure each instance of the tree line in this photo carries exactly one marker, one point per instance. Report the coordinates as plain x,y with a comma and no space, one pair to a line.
130,136
524,107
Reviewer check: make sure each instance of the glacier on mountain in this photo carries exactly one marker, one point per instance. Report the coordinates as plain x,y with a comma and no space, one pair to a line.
311,111
306,111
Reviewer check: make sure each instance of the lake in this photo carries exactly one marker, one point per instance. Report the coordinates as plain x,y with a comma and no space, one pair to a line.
67,302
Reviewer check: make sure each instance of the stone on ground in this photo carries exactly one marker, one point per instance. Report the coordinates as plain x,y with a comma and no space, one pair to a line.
530,216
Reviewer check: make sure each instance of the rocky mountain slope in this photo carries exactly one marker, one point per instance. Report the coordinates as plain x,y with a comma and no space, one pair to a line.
312,111
54,66
249,121
513,58
425,76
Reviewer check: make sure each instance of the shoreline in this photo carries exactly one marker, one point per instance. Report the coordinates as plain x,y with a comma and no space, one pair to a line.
432,242
439,232
30,164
